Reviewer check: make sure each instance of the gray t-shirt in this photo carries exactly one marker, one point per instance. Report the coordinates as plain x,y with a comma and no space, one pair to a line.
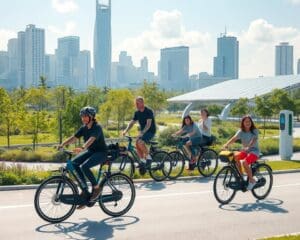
207,123
246,137
191,128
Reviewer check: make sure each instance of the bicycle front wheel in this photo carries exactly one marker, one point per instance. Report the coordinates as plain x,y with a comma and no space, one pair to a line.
207,163
224,185
264,178
160,166
126,165
46,200
117,194
177,164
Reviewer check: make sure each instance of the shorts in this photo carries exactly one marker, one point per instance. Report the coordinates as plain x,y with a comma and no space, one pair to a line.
248,157
147,136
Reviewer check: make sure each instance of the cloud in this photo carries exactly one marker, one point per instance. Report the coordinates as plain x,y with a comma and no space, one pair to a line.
295,2
5,35
64,6
70,29
165,30
261,31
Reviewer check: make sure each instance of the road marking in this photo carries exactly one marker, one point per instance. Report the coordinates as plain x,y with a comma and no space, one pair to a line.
157,195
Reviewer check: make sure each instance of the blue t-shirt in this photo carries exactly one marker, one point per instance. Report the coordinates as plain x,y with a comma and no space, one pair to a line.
95,131
191,128
142,118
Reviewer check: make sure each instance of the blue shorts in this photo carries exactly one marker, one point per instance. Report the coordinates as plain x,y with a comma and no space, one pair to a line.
147,136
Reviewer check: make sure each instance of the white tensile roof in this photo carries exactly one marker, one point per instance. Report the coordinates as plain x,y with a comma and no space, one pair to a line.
231,90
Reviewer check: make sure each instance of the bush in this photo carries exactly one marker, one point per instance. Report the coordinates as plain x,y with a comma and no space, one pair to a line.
165,136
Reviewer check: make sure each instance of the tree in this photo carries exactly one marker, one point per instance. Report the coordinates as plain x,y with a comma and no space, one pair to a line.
263,108
214,109
241,107
154,97
280,100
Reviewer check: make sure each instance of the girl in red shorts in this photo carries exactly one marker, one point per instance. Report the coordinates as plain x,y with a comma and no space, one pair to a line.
248,134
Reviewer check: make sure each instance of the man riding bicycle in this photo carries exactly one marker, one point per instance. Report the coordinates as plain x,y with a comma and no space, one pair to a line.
92,152
145,117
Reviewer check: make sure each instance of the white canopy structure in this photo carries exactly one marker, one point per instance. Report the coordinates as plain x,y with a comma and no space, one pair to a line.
231,90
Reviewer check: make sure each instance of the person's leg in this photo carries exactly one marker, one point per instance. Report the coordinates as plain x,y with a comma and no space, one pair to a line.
94,160
238,156
77,161
251,158
146,138
139,150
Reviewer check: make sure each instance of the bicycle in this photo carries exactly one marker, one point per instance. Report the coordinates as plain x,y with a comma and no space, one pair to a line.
206,159
229,180
56,198
160,164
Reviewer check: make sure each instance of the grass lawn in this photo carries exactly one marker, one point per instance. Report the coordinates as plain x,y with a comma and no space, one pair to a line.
287,237
284,165
27,139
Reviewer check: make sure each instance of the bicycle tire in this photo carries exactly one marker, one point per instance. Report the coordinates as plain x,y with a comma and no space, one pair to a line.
259,175
178,162
207,163
110,181
38,203
160,167
227,171
127,165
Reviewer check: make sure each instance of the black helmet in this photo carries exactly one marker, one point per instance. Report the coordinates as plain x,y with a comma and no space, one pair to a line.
88,111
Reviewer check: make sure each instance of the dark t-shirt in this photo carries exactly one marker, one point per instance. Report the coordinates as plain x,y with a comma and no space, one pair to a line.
95,131
142,117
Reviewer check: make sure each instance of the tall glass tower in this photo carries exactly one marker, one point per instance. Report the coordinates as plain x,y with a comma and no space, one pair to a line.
284,59
102,43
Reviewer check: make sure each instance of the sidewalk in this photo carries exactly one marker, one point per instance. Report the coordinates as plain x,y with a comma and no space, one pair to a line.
296,156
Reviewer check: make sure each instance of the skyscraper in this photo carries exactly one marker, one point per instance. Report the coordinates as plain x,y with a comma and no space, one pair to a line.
67,57
50,69
3,62
226,63
284,59
84,69
12,49
298,67
34,55
102,44
174,68
21,58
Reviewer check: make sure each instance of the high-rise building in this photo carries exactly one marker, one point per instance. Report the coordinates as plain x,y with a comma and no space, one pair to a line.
4,61
298,67
284,59
50,69
21,59
174,68
84,69
226,63
12,49
67,57
144,64
34,55
102,44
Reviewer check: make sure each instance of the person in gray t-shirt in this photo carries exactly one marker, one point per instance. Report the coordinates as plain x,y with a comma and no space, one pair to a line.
193,136
248,134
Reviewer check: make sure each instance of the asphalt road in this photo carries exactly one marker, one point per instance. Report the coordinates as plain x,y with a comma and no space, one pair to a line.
168,210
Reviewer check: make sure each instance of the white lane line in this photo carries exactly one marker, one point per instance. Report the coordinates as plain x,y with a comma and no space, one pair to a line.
156,195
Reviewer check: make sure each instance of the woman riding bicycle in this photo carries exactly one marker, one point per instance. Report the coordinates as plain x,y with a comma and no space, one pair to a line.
93,152
248,134
205,127
192,137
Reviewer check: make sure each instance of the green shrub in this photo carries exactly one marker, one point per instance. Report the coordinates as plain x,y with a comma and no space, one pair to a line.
165,136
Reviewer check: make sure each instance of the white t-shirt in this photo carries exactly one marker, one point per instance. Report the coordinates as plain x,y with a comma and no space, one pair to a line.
207,123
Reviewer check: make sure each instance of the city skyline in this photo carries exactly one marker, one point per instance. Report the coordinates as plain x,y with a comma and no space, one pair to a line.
159,25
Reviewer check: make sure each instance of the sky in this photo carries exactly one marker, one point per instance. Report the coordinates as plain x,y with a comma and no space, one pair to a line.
143,27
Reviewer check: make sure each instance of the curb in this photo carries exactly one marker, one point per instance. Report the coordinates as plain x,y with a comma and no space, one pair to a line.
35,186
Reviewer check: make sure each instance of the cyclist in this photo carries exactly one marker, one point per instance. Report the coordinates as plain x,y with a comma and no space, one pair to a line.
248,134
145,117
205,127
92,152
190,131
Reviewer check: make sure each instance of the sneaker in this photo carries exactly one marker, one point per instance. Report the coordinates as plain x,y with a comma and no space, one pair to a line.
191,167
251,185
82,206
95,194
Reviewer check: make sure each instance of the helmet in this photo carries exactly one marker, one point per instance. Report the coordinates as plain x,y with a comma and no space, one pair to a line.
88,111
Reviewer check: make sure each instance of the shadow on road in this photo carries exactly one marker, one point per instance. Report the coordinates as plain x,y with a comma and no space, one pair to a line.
153,186
268,205
87,229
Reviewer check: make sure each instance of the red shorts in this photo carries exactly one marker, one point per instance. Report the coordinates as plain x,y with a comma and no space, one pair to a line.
249,157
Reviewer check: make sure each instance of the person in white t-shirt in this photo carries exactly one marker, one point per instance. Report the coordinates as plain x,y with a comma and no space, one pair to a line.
205,127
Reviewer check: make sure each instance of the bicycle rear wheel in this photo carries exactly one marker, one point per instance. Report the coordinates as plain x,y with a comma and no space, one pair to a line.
46,199
264,178
117,194
160,166
223,190
126,165
207,163
177,162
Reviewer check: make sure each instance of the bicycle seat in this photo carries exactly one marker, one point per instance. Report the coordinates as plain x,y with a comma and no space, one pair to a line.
152,142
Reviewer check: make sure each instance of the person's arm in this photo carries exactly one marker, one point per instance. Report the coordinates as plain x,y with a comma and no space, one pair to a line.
69,141
231,140
206,126
88,143
179,132
147,127
252,141
129,126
